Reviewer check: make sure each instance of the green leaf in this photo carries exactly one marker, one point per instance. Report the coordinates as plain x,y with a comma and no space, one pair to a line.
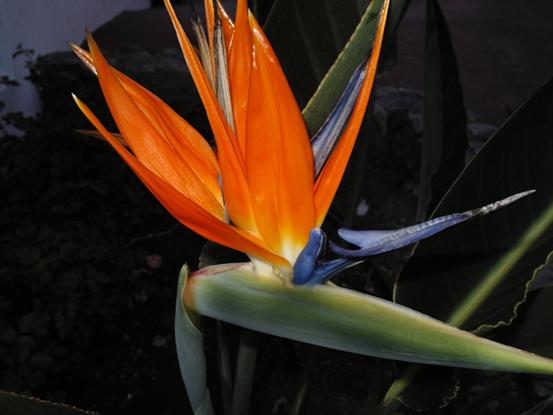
530,332
503,248
13,404
342,319
476,275
190,352
444,138
438,384
310,37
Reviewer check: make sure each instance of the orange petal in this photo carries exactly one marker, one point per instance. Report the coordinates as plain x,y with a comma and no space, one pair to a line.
228,25
331,175
85,57
240,62
151,148
187,211
232,167
279,158
194,149
210,23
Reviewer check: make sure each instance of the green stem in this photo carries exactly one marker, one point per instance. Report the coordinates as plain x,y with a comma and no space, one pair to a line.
402,382
224,369
245,367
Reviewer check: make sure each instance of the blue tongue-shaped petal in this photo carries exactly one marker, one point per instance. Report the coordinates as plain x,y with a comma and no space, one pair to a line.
377,242
307,261
310,269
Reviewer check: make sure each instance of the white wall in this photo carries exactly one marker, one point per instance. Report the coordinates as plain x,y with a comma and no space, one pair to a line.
46,26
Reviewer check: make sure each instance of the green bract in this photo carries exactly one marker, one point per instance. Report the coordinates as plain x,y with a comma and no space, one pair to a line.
338,318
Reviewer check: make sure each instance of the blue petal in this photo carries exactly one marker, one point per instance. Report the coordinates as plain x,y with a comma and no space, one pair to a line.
376,242
327,269
307,260
324,140
309,270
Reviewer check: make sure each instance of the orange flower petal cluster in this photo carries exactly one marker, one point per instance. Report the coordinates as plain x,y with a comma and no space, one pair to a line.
257,193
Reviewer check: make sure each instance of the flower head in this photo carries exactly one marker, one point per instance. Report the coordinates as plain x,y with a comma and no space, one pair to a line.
258,192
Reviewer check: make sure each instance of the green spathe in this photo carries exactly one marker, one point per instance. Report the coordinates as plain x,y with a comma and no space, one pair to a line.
342,319
189,341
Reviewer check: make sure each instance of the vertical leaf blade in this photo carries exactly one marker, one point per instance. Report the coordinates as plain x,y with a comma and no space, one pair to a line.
444,138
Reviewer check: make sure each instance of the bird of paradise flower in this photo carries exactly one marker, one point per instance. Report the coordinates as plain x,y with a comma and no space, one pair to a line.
265,190
258,192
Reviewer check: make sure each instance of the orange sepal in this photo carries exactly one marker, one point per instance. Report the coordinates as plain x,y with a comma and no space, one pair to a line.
194,148
147,143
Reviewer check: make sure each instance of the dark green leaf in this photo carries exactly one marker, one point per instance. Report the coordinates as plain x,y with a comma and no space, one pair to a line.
530,333
475,276
448,268
433,386
444,138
